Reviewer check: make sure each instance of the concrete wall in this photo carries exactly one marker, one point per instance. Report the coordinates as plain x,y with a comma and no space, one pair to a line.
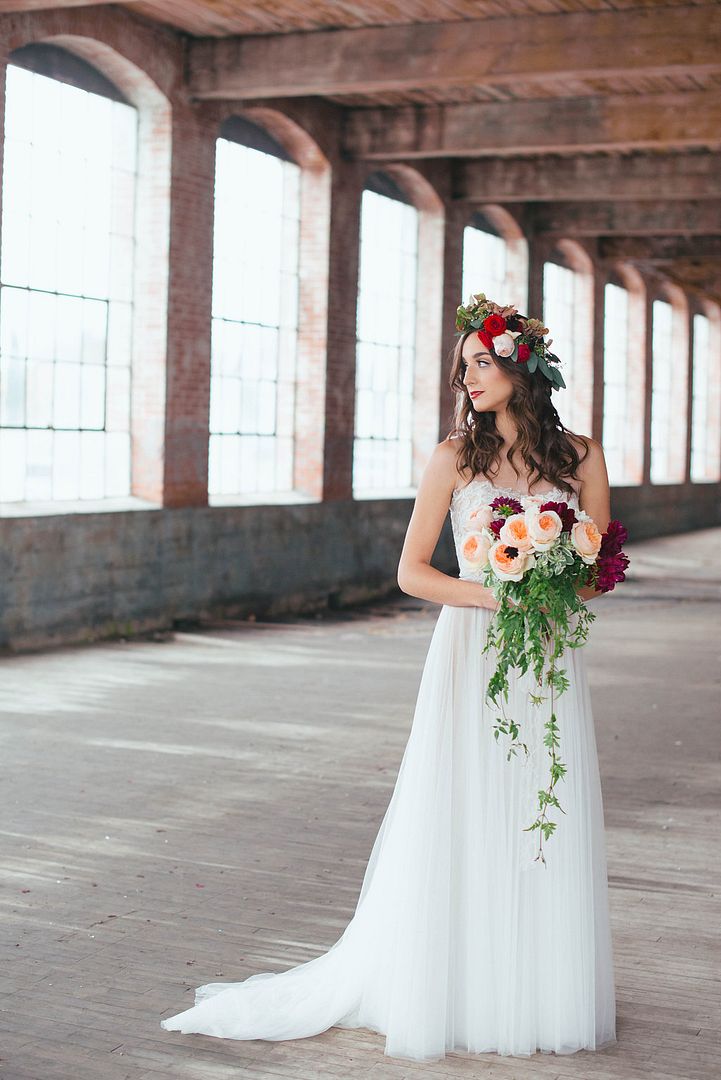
83,576
78,577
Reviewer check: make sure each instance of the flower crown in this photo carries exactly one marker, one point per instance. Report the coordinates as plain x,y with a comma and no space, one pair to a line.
510,335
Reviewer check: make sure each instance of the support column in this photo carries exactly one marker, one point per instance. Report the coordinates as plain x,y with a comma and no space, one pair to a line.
648,385
689,402
185,471
537,251
343,252
456,220
598,346
311,373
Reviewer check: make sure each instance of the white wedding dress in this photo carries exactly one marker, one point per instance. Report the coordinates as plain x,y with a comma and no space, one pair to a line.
460,939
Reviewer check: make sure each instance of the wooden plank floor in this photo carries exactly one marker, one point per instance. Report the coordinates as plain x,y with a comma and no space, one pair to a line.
203,806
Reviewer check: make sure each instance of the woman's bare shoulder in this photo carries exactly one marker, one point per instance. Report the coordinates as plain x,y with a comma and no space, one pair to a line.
449,450
593,462
441,469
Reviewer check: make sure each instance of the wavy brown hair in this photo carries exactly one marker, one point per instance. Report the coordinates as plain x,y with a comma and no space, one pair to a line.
543,442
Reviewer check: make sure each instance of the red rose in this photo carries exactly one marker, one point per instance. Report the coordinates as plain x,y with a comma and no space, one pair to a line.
486,339
524,351
494,324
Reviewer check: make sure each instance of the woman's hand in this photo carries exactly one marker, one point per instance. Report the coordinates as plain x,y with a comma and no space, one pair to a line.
486,599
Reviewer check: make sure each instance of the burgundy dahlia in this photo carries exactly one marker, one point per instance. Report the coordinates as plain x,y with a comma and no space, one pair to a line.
506,505
613,539
610,570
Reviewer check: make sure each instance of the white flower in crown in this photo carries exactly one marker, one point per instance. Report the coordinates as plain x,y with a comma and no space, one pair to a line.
505,343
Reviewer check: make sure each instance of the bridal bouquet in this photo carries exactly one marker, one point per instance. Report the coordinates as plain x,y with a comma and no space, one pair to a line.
534,554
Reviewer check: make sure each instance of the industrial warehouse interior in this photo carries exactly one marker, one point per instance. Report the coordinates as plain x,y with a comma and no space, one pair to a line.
234,241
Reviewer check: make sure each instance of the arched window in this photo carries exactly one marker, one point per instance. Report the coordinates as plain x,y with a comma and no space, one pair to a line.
669,392
624,369
568,313
255,314
706,404
66,282
385,345
495,257
484,263
615,380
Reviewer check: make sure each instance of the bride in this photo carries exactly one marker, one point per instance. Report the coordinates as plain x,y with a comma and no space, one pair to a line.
461,939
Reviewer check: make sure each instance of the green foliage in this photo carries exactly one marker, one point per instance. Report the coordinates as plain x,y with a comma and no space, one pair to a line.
538,618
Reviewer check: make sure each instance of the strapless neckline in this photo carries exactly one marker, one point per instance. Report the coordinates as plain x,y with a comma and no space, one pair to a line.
515,491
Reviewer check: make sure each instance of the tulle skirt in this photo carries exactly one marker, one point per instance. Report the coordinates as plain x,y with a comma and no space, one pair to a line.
461,939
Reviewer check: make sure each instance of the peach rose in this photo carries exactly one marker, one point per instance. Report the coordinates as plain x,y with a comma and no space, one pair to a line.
474,549
586,539
544,528
514,531
481,516
507,562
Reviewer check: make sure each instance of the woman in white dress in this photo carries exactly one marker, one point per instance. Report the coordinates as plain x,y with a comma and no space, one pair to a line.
461,938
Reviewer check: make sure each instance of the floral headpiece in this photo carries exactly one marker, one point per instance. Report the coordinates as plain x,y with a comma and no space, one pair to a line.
510,335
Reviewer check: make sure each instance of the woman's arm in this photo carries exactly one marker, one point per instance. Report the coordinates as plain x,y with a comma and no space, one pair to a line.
595,497
416,576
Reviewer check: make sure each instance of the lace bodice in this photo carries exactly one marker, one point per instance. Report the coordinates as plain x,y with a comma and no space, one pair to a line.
481,491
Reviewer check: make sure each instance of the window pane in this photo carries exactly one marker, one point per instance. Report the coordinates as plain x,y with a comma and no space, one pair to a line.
560,302
14,322
706,404
66,465
12,391
12,464
661,403
255,293
484,264
67,395
616,418
39,475
92,400
385,330
67,232
39,393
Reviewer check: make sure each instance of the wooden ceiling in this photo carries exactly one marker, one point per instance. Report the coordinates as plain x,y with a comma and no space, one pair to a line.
620,99
223,17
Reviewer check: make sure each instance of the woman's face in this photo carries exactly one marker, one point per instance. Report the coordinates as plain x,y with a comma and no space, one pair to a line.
481,373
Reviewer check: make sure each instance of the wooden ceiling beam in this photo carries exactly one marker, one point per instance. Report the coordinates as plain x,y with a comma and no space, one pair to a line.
12,7
661,249
547,178
652,217
499,51
620,122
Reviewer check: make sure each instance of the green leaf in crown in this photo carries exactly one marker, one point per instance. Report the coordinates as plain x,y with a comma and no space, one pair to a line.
510,335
